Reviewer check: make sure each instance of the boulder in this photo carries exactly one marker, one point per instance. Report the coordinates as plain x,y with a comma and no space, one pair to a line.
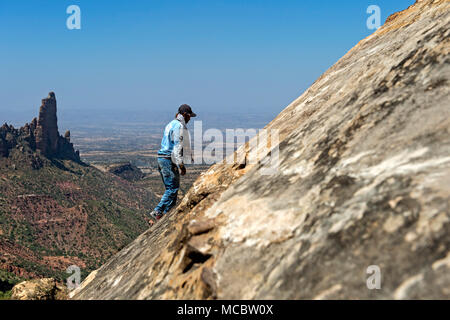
39,289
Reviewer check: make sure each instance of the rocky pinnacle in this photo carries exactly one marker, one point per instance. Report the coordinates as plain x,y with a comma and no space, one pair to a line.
47,127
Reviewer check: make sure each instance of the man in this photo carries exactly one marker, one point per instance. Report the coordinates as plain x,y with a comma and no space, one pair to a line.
174,145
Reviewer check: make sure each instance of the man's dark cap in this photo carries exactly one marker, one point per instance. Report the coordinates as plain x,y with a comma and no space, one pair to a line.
185,108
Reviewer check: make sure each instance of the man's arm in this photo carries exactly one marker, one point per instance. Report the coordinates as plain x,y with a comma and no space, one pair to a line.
178,149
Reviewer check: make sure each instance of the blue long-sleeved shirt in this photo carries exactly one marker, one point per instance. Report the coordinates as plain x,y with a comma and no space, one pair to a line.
172,141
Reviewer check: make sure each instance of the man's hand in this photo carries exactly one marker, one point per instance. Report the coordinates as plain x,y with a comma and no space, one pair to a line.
182,169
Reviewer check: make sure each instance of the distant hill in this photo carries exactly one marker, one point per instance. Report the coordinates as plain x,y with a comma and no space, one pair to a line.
126,171
56,211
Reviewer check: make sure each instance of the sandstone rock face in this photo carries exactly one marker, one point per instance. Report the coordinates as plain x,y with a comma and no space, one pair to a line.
41,134
363,180
40,289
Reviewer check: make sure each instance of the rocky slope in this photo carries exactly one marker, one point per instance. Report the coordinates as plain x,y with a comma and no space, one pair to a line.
363,179
56,211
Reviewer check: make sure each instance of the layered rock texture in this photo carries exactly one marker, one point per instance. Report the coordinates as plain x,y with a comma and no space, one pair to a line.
39,289
40,135
363,180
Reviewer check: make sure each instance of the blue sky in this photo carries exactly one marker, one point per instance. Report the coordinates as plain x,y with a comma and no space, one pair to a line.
218,56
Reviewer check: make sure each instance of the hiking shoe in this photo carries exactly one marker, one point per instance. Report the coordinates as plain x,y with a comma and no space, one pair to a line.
156,215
